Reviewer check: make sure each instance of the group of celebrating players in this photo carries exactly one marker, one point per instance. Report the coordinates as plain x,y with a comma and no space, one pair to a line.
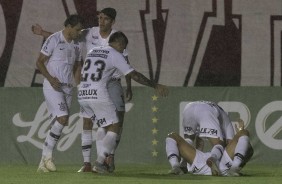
97,74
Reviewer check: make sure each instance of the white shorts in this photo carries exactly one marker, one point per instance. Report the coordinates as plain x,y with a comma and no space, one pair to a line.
199,166
105,112
202,118
116,94
58,103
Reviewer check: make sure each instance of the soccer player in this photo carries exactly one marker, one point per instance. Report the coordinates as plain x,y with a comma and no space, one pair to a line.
59,62
208,120
93,95
236,154
92,37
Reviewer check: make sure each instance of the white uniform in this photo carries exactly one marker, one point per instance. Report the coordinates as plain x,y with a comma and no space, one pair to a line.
63,56
98,69
94,39
208,120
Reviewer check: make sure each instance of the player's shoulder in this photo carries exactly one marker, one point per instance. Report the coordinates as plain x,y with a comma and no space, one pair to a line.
55,38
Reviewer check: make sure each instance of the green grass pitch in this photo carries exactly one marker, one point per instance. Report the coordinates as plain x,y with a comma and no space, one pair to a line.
134,173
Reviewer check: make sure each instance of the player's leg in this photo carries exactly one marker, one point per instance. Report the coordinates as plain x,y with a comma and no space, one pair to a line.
60,112
86,144
240,151
108,120
177,147
117,96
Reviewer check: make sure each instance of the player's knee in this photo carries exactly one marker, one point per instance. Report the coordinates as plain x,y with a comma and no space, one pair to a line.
63,120
87,124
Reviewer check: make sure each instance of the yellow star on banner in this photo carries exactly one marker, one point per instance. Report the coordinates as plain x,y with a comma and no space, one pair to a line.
154,98
154,120
154,153
155,142
154,131
154,109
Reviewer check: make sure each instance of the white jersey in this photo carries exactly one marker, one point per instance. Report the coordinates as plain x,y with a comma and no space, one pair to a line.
62,58
98,68
207,119
94,39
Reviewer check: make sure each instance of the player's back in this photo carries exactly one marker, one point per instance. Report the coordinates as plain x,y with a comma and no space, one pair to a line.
97,71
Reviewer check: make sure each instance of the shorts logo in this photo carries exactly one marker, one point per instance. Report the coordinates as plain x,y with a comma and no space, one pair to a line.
195,169
188,130
228,165
101,122
62,106
208,131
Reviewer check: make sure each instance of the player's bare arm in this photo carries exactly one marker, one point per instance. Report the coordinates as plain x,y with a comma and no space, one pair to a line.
77,71
140,78
37,29
128,92
40,63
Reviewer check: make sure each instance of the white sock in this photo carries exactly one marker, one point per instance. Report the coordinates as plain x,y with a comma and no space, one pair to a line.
172,152
240,151
117,141
52,138
109,143
86,145
217,151
100,134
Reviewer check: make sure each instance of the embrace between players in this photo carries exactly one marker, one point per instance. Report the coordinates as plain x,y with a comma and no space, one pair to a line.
101,96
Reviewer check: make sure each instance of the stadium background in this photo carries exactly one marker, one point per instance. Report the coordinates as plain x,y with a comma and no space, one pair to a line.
228,51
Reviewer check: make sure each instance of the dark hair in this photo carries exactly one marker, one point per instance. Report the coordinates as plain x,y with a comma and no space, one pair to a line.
118,37
110,12
73,20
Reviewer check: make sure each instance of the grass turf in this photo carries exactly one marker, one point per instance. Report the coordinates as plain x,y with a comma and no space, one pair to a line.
133,173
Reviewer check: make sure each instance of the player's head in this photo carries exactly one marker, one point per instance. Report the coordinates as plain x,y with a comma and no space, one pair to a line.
107,18
73,25
119,41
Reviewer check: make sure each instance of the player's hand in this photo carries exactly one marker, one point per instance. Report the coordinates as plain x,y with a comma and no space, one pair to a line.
240,125
36,29
128,94
55,83
161,90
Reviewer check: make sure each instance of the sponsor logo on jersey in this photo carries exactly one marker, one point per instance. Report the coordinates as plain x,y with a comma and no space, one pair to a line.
208,131
87,92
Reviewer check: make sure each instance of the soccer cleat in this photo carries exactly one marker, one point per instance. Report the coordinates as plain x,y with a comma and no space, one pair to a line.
213,164
100,168
233,172
41,167
48,163
176,171
86,167
110,161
